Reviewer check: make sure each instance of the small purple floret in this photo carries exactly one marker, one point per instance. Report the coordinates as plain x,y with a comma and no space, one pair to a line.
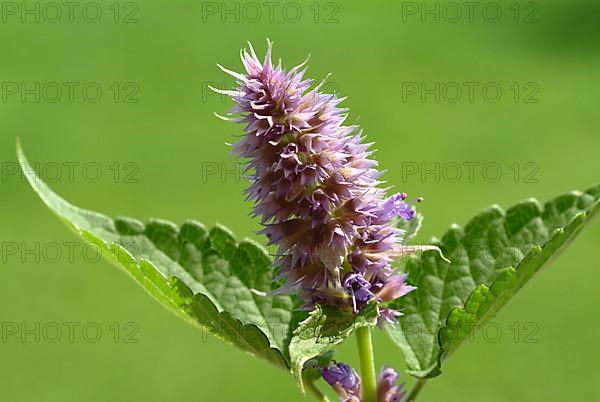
344,380
341,373
347,384
359,289
387,389
395,206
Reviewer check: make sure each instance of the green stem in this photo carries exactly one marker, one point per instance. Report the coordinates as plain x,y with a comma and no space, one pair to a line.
416,389
316,392
367,364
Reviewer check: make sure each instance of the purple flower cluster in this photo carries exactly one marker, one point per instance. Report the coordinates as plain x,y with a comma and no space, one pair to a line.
316,189
346,383
344,380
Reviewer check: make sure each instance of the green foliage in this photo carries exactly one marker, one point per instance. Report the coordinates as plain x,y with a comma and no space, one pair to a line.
204,277
323,329
211,281
214,282
492,258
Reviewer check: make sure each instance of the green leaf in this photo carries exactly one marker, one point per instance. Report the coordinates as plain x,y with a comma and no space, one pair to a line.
204,277
492,258
325,328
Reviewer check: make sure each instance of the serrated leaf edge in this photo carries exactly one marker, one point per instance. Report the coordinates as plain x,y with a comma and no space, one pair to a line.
507,277
455,229
145,267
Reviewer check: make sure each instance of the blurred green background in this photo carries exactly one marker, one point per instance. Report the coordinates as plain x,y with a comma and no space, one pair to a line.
149,146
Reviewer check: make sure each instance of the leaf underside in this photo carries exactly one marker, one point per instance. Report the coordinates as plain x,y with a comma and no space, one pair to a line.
204,277
492,258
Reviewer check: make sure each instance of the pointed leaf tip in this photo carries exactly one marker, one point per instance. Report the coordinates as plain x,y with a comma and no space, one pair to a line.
205,278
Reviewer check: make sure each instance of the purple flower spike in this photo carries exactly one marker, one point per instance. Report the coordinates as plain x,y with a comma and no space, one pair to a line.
316,189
